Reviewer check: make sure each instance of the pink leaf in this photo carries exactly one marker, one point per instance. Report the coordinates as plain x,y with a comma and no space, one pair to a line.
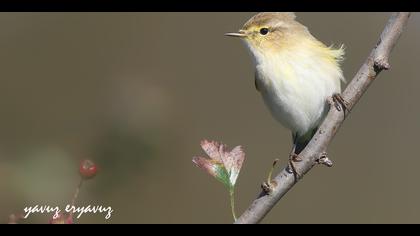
212,149
223,165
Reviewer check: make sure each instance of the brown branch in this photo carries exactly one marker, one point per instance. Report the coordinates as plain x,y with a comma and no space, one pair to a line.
375,63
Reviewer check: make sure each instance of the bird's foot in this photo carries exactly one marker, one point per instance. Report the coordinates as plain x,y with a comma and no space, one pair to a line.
339,103
293,157
270,184
324,160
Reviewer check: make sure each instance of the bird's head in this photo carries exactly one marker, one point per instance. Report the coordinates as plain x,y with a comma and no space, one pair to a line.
269,32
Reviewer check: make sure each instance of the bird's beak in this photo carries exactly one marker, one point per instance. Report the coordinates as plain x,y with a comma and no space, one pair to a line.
240,34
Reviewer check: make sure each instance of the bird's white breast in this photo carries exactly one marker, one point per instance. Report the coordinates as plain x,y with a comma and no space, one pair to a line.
295,88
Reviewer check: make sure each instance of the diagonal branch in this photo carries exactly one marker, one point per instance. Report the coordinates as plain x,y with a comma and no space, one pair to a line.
375,63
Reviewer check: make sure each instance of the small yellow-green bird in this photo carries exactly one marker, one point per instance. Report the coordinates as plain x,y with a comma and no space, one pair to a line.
295,73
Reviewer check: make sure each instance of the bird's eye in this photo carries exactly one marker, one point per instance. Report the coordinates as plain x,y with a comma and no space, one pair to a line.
264,31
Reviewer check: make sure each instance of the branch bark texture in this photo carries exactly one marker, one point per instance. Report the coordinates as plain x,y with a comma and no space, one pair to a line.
374,64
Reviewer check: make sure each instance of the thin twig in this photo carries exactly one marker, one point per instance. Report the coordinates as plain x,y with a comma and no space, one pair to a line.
375,63
232,203
76,194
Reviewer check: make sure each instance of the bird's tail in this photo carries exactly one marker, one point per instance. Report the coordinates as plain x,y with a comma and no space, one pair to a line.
303,140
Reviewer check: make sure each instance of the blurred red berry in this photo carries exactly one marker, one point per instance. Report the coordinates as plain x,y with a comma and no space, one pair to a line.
62,219
87,169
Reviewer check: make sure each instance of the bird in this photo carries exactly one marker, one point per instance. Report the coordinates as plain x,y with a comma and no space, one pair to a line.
295,73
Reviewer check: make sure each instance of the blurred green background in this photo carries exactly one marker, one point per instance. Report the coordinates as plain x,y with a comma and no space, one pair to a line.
136,92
